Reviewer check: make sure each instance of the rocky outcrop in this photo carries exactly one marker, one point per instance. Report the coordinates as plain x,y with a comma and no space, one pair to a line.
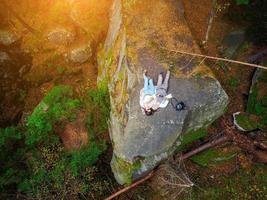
142,36
7,37
60,36
81,54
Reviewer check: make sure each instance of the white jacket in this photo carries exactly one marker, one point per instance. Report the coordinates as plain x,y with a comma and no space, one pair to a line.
150,101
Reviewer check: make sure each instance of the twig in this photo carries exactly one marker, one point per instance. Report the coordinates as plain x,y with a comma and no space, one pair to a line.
216,58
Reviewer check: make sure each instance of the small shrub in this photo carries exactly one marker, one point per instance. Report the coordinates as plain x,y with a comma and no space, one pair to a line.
57,106
8,135
98,106
84,157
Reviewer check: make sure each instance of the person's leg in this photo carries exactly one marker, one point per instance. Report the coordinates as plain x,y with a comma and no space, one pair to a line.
151,86
160,79
166,81
146,85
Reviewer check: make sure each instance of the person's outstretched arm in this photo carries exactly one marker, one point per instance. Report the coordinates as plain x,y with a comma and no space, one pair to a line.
145,81
166,80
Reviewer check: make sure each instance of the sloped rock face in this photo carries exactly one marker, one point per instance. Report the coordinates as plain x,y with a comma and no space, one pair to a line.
141,36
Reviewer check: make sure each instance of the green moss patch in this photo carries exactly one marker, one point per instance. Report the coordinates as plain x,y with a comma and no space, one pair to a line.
125,169
190,137
212,156
252,100
247,121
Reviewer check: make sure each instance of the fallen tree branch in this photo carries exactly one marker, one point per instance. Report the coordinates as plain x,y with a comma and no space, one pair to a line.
203,147
243,141
130,186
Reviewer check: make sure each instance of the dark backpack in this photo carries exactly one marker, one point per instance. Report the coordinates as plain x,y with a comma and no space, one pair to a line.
177,105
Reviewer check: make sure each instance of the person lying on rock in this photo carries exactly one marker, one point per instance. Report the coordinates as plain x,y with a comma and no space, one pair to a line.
152,98
162,98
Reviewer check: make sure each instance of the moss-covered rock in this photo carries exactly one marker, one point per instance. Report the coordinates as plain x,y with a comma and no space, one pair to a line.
246,121
141,35
257,102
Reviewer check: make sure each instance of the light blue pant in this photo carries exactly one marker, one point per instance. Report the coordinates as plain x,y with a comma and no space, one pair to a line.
149,88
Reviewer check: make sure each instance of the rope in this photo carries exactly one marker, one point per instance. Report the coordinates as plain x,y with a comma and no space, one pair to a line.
217,58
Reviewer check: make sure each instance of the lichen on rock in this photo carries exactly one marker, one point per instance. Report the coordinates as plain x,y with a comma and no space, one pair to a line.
141,35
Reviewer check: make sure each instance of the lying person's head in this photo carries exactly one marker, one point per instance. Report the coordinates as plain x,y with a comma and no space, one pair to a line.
148,112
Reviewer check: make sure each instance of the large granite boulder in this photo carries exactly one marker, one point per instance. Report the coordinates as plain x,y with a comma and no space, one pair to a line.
142,36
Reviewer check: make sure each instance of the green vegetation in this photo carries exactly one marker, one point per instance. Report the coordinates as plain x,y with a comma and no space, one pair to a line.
234,82
248,124
35,162
98,103
242,2
252,100
61,69
212,156
55,107
258,106
240,185
125,169
84,157
190,137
